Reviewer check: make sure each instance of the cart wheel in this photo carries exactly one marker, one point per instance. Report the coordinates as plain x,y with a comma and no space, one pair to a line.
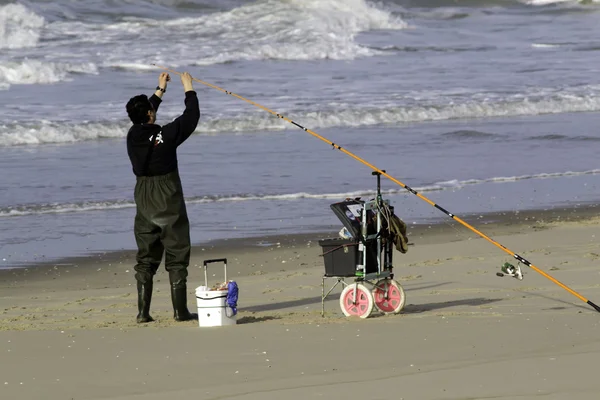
394,302
361,306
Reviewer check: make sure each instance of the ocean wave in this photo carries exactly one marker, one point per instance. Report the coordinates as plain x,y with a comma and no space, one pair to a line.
38,72
356,117
89,206
111,10
454,3
545,45
553,2
55,132
271,29
468,134
546,2
65,132
485,3
19,27
299,30
565,137
455,184
433,49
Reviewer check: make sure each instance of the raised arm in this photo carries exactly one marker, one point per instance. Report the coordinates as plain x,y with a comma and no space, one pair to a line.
156,98
184,125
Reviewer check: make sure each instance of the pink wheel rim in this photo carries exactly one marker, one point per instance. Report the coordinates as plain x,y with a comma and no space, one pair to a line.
357,307
393,300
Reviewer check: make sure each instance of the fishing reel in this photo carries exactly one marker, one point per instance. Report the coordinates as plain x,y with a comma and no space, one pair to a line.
510,270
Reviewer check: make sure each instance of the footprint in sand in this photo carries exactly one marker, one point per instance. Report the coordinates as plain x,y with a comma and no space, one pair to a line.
121,305
296,274
272,291
308,287
426,263
477,272
410,277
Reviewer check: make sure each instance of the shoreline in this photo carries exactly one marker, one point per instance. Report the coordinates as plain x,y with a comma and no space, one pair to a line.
490,224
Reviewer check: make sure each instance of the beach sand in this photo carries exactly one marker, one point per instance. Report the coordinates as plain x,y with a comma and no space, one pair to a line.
68,331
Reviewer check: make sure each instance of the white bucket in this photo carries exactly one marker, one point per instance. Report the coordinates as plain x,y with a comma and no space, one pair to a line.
212,308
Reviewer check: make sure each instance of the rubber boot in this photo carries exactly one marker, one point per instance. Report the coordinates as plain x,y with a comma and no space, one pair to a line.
179,299
144,297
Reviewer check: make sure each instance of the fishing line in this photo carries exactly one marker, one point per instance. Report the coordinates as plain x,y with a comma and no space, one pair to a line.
519,258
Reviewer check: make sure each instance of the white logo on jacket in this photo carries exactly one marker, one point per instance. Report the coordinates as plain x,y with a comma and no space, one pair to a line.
159,139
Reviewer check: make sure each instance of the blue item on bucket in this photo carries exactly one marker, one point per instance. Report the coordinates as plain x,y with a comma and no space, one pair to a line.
232,297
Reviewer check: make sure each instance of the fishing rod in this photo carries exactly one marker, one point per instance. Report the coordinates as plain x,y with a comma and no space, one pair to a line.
411,190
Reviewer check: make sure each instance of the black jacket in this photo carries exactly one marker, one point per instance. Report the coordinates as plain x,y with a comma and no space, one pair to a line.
168,137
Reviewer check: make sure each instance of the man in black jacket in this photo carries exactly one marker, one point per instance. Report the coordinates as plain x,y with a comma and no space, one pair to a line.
161,222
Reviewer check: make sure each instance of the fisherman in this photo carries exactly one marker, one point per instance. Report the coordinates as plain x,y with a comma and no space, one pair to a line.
161,224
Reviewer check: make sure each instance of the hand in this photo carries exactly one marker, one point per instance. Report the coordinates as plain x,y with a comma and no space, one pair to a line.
186,80
163,79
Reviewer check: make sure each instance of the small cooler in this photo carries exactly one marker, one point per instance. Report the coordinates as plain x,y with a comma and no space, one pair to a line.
213,309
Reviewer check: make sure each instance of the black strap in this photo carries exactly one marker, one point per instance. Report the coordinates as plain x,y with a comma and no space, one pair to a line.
152,144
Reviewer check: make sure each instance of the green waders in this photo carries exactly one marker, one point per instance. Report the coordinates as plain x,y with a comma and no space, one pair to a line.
161,226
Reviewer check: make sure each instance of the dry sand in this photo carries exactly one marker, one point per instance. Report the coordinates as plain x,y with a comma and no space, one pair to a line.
67,330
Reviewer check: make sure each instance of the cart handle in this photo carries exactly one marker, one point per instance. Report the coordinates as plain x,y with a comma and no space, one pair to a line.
224,260
206,262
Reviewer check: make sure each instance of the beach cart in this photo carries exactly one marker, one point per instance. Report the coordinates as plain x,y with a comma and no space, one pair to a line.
363,256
